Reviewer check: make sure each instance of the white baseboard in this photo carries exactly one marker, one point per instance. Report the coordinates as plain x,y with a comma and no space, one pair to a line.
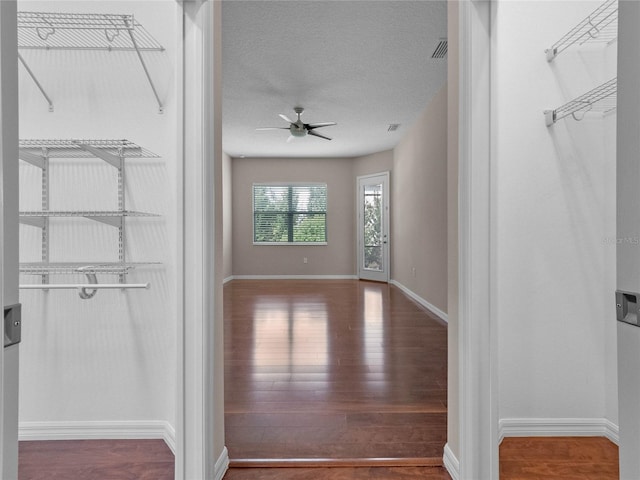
421,301
294,277
451,463
222,465
558,427
228,279
149,429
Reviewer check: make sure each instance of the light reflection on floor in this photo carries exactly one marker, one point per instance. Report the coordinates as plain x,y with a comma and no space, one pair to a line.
374,331
292,333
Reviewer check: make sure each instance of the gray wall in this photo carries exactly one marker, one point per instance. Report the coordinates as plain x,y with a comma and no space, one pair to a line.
419,206
335,258
371,164
227,218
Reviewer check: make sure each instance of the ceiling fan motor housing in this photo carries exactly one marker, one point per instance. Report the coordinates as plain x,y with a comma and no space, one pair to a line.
297,129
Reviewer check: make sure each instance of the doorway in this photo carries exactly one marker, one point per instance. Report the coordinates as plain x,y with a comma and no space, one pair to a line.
373,227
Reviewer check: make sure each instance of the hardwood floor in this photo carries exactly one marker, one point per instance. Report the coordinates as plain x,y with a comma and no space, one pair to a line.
95,460
566,458
332,369
533,458
366,473
576,458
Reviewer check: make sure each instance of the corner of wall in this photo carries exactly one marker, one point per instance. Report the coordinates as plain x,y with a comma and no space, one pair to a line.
451,463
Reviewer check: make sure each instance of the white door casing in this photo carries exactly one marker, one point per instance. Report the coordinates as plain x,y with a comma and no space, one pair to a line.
373,227
477,327
477,322
200,451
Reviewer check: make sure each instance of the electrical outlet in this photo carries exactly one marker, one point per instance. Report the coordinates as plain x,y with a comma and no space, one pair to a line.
305,260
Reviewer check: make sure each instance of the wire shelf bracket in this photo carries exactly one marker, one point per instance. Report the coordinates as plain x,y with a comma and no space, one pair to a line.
601,99
601,26
85,31
35,80
112,218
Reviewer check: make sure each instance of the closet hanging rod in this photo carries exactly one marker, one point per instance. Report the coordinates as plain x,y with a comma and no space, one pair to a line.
88,286
600,26
86,291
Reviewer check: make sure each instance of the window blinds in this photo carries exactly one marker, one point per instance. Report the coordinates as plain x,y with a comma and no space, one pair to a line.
294,213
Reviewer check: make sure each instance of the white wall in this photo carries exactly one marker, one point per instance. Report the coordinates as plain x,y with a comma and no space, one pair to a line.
555,197
111,358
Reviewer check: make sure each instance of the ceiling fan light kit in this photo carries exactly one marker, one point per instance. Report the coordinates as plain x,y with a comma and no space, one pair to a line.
299,128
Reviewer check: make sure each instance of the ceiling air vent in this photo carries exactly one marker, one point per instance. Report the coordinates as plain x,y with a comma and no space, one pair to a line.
441,49
393,127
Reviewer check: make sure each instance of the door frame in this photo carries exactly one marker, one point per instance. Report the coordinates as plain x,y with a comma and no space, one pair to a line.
477,417
200,450
477,321
385,221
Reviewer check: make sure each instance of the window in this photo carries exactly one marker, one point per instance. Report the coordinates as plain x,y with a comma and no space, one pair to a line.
290,213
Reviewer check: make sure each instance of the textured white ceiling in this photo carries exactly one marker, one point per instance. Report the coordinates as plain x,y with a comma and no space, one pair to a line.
362,64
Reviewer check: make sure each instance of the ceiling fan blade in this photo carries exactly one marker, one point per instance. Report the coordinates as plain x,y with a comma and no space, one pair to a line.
316,134
273,128
291,137
311,126
285,118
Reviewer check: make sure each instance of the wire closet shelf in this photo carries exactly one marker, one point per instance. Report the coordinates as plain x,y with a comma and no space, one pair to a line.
85,31
601,26
38,153
77,148
602,99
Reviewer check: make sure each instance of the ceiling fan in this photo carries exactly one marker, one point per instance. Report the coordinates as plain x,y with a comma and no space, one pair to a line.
300,129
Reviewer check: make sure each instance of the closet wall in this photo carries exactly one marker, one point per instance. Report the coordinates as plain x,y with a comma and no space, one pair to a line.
554,227
104,366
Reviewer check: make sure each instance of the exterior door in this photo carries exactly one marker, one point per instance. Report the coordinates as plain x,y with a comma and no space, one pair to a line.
373,227
9,239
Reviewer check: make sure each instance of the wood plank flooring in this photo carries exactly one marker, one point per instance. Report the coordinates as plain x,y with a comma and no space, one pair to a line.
533,458
363,473
566,458
576,458
95,460
332,369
